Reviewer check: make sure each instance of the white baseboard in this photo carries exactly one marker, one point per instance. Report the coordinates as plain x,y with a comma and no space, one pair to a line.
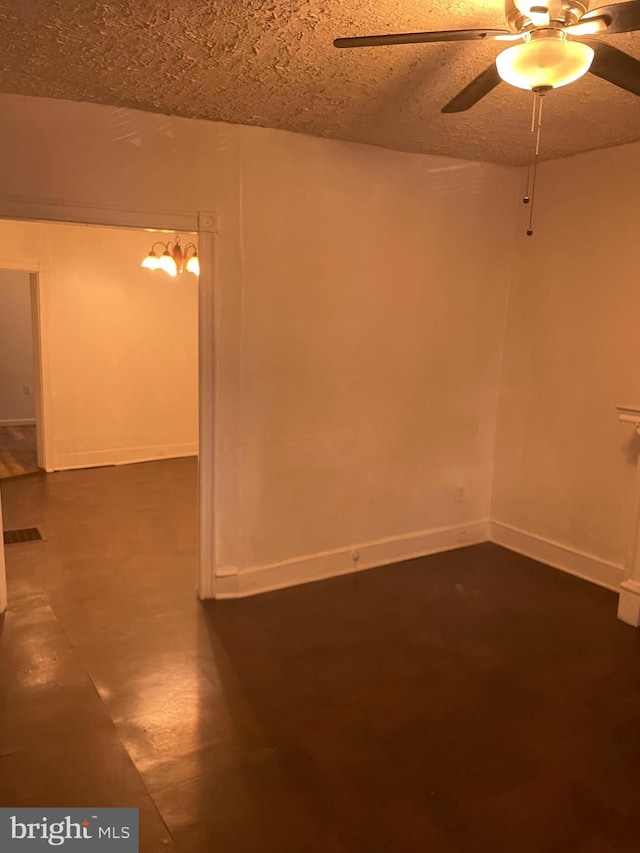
122,456
559,556
17,422
231,583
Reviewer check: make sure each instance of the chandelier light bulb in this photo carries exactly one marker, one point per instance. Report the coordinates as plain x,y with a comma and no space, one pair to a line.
167,263
193,264
151,261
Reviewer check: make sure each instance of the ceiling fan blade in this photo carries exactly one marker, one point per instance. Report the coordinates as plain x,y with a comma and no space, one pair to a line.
622,17
616,67
419,38
477,89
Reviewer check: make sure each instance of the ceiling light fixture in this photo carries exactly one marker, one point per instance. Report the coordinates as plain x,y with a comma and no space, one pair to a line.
549,56
173,259
546,60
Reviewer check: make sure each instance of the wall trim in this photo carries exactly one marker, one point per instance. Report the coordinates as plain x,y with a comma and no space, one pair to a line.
558,556
210,381
123,456
234,583
17,422
78,213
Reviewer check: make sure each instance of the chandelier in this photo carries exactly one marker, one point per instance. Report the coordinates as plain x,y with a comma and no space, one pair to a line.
173,259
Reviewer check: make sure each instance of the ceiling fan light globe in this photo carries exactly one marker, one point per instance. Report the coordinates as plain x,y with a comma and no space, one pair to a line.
544,63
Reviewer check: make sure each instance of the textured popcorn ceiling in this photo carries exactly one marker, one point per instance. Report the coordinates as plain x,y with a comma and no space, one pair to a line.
271,63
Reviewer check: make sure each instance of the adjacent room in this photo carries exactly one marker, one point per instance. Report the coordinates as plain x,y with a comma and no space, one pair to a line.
108,347
393,606
99,371
18,440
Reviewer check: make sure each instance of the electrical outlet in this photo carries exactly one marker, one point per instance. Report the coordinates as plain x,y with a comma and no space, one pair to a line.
26,390
459,494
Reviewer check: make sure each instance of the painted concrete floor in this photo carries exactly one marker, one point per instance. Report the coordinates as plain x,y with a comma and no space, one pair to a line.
470,701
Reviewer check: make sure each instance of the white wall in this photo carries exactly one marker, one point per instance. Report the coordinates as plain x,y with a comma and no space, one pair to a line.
372,336
119,344
564,464
16,349
360,300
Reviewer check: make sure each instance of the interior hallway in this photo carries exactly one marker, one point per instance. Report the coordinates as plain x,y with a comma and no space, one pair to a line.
470,701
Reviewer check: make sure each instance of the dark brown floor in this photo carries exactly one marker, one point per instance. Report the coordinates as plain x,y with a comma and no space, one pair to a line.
471,701
18,453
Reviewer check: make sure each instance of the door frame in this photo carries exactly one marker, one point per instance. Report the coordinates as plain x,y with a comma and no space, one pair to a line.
206,225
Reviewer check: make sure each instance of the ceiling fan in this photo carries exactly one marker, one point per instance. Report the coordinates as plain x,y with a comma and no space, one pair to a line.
552,47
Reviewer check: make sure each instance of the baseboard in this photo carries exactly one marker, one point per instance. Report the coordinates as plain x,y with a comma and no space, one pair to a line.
559,556
17,422
122,456
231,583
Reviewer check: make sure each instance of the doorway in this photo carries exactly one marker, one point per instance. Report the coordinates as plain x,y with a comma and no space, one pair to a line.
22,446
203,334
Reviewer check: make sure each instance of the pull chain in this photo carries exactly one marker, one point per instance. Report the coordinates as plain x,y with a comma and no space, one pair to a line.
526,198
534,153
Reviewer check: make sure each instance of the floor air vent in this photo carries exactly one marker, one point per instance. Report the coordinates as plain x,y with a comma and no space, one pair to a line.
24,534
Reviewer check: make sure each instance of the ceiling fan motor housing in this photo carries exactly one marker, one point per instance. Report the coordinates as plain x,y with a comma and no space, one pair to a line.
565,12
